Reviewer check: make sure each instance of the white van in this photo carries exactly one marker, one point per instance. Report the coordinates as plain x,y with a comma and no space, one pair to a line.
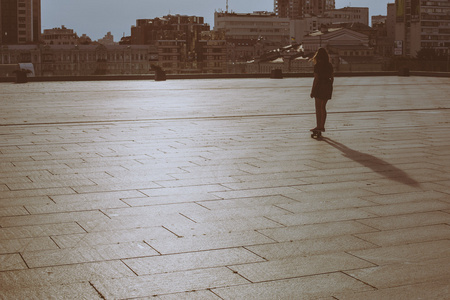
29,67
10,70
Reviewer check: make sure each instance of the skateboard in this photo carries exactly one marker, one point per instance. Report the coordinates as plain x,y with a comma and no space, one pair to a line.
316,134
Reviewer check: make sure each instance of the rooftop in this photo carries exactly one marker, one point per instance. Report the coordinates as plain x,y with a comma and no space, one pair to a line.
328,30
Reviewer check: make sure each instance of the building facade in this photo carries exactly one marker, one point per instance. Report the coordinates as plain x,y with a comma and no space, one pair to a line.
349,50
107,40
380,19
349,15
86,60
250,35
213,56
176,37
253,26
317,7
81,60
171,55
291,9
390,25
302,27
60,36
422,24
20,22
170,27
298,9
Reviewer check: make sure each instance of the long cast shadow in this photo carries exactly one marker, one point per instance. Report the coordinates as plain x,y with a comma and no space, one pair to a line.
374,163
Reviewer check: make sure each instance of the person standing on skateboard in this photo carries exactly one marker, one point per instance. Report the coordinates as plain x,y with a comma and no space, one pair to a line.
322,88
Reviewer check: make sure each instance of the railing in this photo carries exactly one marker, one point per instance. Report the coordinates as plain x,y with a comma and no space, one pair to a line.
152,77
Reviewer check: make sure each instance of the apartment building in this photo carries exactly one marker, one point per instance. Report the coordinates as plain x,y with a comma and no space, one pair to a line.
176,37
250,35
20,22
298,9
171,55
349,50
422,24
213,56
60,36
349,15
302,27
253,26
81,60
170,27
317,7
107,40
291,9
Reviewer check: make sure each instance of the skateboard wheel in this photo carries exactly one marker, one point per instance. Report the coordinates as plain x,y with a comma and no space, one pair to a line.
316,134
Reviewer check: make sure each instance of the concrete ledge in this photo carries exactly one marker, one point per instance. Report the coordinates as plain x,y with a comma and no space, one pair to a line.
216,76
430,74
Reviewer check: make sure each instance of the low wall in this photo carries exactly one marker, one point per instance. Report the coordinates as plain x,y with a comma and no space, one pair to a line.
216,76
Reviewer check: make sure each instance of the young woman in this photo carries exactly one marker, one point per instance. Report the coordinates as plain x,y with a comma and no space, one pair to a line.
322,88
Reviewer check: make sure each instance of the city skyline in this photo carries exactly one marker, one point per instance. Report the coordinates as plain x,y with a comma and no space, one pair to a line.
96,18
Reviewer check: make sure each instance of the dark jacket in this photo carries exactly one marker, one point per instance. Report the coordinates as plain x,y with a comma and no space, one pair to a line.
323,81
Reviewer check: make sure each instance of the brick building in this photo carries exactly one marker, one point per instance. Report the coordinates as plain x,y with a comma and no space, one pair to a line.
20,22
422,24
298,9
81,60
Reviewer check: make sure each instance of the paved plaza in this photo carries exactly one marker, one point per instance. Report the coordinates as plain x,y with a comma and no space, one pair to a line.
214,189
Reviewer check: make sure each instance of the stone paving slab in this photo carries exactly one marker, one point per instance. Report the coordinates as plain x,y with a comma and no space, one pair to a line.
70,291
191,261
145,285
213,189
429,290
408,253
311,287
62,275
401,274
11,262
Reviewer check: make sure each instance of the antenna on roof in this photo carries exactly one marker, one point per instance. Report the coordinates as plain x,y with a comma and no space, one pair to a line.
227,5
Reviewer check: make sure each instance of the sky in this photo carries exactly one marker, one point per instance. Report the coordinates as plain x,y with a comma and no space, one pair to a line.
97,17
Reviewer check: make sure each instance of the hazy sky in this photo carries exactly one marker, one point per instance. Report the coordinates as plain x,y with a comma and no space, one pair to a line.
96,17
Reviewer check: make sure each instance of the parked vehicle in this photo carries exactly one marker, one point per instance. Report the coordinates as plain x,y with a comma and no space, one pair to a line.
11,70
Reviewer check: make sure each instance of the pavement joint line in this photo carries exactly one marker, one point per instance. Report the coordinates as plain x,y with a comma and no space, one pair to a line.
98,292
357,279
111,122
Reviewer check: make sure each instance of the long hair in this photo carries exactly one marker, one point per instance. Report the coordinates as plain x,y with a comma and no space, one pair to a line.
321,56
